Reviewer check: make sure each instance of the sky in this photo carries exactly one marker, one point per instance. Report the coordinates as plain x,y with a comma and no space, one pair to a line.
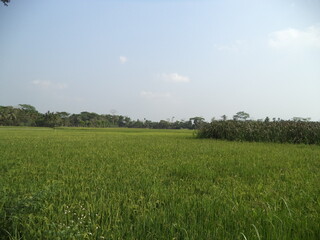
162,59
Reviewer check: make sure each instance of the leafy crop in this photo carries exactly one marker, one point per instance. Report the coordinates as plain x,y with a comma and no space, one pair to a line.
254,131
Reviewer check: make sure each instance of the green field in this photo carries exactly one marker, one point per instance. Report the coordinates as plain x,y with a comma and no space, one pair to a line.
73,183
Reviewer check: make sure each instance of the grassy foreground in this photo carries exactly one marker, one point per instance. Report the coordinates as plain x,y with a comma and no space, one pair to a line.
74,183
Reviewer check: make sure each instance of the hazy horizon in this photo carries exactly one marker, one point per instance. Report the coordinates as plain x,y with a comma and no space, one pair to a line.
163,59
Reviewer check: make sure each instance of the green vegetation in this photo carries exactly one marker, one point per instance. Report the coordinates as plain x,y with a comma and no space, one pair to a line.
255,131
82,183
27,115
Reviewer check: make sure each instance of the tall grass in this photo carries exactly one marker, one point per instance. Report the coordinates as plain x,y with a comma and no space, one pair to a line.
151,184
254,131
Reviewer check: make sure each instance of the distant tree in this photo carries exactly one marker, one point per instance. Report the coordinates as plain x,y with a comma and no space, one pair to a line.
63,114
197,121
163,124
64,118
27,107
300,119
49,119
243,116
224,117
113,112
8,116
185,124
28,115
148,124
126,121
137,124
5,2
267,119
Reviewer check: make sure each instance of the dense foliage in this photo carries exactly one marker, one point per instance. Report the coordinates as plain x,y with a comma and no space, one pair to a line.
299,130
258,131
27,115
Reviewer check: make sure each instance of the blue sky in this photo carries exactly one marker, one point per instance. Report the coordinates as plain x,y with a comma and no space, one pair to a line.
163,59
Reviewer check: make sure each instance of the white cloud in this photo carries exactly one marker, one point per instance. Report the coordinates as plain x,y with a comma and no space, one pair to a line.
123,59
49,85
295,38
236,46
175,77
43,84
155,95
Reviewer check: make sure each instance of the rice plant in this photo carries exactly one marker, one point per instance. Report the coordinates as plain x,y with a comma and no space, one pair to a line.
76,183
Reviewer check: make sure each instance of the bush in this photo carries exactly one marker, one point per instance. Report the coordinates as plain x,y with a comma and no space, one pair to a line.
255,131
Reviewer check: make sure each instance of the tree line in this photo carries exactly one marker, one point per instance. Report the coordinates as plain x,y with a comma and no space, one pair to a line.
27,115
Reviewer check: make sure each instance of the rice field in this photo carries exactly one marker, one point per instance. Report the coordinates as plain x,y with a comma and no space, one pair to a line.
82,183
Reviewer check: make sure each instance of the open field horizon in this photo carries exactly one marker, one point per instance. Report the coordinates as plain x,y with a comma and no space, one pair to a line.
159,120
81,183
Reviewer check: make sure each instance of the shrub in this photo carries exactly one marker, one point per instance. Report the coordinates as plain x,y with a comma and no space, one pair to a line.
255,131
